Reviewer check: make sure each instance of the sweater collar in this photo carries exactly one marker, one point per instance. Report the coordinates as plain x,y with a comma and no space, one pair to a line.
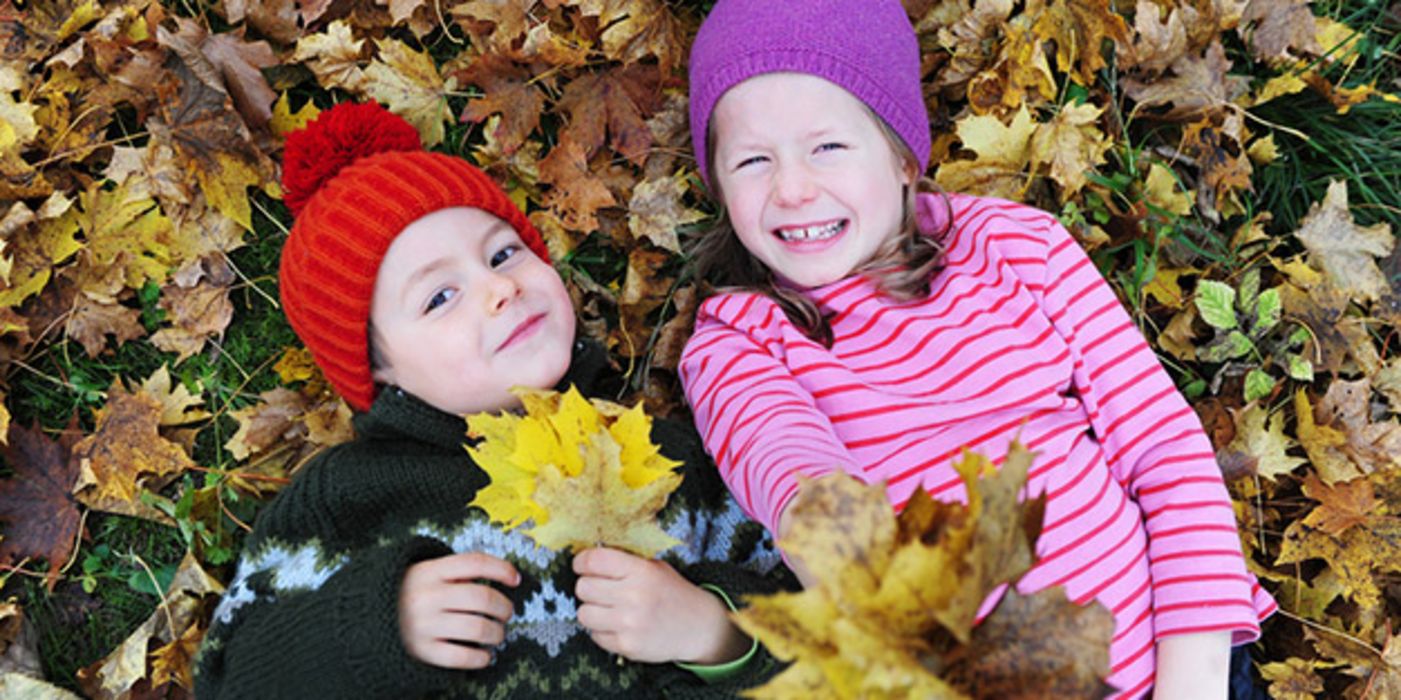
397,413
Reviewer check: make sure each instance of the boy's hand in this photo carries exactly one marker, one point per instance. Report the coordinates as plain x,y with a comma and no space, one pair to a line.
445,605
643,610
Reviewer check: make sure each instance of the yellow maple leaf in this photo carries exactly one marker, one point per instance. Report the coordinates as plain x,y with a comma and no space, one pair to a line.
333,56
1003,151
284,121
125,454
408,83
585,473
1160,188
128,232
1071,144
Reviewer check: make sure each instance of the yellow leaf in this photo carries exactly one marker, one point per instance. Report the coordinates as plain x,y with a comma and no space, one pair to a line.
408,83
285,121
656,211
1278,86
1261,437
1321,442
125,452
1002,154
597,508
127,232
17,125
178,405
226,187
295,365
1071,144
1161,190
334,56
80,15
1263,151
586,473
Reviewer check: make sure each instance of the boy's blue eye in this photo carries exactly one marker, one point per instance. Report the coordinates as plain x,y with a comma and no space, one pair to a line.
440,297
504,254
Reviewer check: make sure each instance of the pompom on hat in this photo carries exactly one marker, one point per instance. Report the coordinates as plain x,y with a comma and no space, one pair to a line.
868,47
355,177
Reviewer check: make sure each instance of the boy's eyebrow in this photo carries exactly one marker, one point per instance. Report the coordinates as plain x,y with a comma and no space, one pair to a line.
421,273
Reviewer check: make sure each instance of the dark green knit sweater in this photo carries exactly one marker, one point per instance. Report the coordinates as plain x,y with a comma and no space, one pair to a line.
312,609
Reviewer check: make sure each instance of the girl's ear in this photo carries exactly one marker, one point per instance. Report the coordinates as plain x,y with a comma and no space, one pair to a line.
909,171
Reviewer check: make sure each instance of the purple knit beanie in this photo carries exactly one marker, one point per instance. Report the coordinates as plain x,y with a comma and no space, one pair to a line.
867,47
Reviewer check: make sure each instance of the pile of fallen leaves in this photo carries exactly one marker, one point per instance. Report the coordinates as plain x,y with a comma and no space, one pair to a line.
140,146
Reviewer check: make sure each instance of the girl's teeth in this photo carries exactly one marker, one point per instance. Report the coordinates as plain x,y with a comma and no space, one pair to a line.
811,233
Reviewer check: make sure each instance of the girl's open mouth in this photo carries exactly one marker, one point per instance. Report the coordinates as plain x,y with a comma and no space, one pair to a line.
812,237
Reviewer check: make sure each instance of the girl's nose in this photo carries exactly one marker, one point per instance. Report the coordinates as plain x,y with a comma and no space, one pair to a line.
501,290
793,184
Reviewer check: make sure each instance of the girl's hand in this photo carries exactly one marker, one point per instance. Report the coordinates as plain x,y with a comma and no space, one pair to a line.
1193,666
445,605
643,610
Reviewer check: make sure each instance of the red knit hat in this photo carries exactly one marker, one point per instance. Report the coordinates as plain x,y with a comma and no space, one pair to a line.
355,177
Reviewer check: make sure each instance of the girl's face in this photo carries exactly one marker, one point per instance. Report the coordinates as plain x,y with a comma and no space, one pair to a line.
811,185
463,311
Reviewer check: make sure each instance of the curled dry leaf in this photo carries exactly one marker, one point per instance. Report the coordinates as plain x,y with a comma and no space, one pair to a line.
37,507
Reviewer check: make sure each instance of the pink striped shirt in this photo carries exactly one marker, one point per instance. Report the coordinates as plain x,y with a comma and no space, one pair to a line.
1020,337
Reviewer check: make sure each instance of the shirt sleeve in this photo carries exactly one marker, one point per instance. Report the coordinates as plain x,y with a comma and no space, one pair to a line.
1155,448
761,426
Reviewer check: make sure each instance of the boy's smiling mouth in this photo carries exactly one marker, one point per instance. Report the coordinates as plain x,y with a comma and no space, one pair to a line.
523,330
811,233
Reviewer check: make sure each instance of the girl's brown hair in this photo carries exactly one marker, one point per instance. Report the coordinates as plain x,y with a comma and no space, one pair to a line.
902,267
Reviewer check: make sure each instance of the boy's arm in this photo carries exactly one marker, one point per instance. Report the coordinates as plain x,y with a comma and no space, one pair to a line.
298,623
1154,445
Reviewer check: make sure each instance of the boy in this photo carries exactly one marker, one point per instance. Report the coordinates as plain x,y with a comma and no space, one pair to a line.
423,293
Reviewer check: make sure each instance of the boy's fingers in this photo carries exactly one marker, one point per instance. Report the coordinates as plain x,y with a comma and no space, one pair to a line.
475,565
478,599
599,591
604,563
595,618
450,655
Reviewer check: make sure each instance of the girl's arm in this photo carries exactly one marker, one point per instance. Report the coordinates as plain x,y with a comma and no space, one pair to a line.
1156,448
1192,666
761,426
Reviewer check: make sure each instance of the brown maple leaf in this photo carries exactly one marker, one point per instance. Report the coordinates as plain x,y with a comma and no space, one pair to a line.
636,29
275,19
1159,41
125,452
271,420
1002,661
656,211
494,24
1224,166
1200,82
1341,505
36,504
1079,28
1372,446
91,321
615,104
197,314
225,61
1279,30
510,90
575,194
210,141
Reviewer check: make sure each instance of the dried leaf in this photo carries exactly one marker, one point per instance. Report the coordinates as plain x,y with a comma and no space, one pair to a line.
196,314
1079,28
178,405
636,29
407,82
125,450
334,56
615,103
1344,250
575,193
1071,144
1260,438
1003,152
92,321
510,91
36,504
261,425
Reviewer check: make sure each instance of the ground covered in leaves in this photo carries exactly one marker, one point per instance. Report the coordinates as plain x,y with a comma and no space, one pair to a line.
1233,166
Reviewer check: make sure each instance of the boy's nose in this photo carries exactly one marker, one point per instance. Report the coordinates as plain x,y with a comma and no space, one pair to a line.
793,184
501,291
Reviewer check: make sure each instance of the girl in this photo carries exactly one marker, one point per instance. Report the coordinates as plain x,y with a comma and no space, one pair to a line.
864,327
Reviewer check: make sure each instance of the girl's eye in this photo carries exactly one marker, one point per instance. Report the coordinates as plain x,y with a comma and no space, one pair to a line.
833,146
749,161
504,254
440,297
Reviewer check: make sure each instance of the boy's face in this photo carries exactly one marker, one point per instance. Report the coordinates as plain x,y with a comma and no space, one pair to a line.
463,311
